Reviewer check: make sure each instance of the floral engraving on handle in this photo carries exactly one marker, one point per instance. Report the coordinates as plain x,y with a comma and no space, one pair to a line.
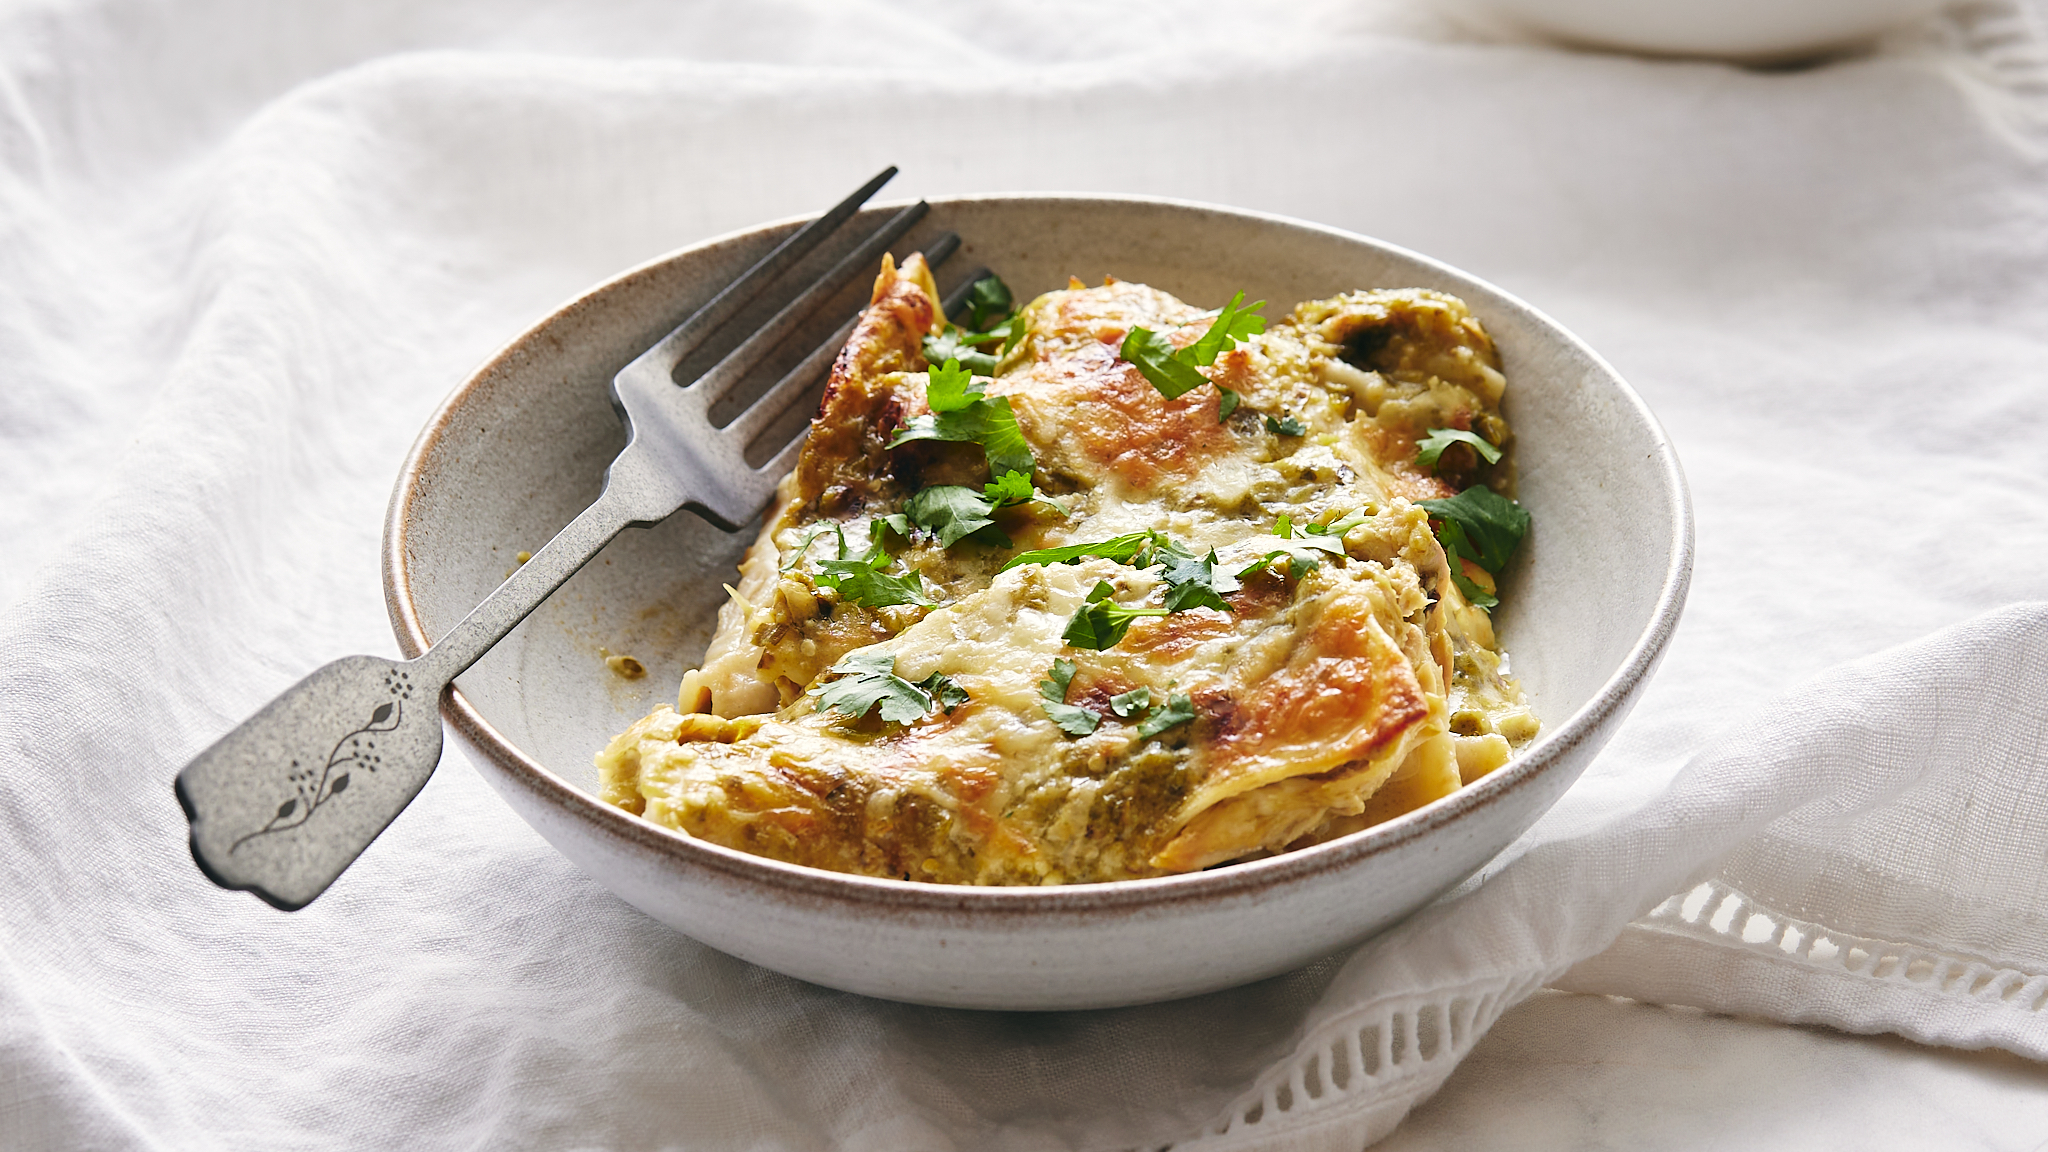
354,751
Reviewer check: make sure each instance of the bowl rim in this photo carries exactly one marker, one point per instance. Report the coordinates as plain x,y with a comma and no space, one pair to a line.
1241,880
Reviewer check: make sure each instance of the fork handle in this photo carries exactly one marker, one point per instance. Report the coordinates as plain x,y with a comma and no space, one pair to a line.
285,802
636,493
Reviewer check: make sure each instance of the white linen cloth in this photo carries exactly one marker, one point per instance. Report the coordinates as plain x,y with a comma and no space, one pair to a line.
247,246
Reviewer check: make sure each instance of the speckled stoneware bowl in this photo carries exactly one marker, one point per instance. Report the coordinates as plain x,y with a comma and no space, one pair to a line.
522,446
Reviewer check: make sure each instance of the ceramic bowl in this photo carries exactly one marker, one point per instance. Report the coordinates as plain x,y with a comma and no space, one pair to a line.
1747,31
522,445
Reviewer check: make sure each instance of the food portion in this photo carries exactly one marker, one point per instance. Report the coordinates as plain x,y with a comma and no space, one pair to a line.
1106,587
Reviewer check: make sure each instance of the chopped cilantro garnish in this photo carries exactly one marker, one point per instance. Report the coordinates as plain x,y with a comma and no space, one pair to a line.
1178,709
1192,581
1128,704
860,580
1174,373
1231,325
1227,404
867,679
1297,566
1073,719
951,344
1432,446
1118,548
950,512
1337,527
1157,361
961,413
797,557
988,299
1286,425
1013,488
1196,582
1009,488
949,388
1302,552
1101,622
1475,595
1482,526
1012,331
946,694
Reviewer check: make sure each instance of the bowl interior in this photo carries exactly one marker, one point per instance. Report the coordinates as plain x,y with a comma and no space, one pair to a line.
522,446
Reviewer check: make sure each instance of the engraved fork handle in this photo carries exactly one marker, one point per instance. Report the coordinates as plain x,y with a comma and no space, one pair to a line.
355,741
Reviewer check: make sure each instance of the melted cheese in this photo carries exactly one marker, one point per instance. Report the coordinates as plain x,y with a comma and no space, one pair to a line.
1360,690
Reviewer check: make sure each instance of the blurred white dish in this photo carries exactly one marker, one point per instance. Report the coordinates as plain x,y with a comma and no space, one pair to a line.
1751,31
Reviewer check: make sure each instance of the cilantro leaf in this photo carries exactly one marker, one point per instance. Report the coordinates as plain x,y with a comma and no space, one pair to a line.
1302,552
953,345
1174,373
1477,596
1286,425
797,557
1195,582
1101,622
950,512
857,583
1192,581
1337,527
1432,446
867,679
1231,325
1158,362
1178,709
1307,541
1118,548
1009,488
949,387
953,513
1004,442
961,413
1013,488
1297,566
1073,719
1128,704
860,580
1479,525
987,299
1227,404
946,694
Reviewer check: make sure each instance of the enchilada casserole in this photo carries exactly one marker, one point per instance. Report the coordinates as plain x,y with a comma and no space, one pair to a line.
1120,587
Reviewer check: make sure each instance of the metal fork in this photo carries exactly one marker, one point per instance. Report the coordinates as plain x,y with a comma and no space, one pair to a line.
283,803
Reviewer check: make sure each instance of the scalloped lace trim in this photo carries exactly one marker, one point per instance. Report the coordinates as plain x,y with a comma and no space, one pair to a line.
1380,1059
1364,1070
1717,914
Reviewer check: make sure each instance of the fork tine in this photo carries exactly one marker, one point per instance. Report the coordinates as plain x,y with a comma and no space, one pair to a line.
777,400
731,370
957,298
761,415
941,250
671,348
